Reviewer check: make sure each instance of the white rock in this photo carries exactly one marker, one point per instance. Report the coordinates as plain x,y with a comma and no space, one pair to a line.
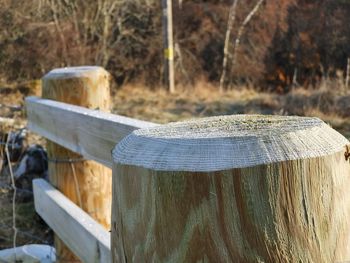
29,254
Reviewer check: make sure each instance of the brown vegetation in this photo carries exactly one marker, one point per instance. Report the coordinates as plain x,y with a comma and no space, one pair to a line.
287,43
329,104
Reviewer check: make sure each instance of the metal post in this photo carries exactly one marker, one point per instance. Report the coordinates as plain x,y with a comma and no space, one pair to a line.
168,79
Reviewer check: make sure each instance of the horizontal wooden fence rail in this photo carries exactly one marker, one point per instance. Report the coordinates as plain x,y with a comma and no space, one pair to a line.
84,236
91,133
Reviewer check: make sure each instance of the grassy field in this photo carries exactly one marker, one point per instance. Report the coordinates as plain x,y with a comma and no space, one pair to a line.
156,105
332,106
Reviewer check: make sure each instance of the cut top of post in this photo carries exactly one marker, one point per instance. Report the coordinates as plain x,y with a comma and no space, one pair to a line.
227,142
75,72
85,86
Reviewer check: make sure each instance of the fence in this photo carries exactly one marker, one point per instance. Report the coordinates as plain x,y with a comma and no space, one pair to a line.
89,133
215,189
95,137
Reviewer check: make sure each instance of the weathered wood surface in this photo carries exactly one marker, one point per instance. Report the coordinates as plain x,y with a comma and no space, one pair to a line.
223,142
84,236
288,211
91,133
86,183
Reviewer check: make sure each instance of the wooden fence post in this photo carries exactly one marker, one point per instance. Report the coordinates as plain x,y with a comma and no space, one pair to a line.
86,183
232,189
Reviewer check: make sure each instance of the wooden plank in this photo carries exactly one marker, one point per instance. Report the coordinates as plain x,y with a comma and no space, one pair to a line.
84,236
91,133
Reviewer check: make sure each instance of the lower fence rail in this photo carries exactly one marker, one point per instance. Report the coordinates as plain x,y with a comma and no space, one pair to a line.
86,238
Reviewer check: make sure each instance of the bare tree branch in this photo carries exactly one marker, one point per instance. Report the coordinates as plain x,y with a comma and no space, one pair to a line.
55,11
230,22
241,30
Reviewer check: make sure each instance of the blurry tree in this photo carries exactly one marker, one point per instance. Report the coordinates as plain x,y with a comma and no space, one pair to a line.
314,46
292,42
41,34
232,53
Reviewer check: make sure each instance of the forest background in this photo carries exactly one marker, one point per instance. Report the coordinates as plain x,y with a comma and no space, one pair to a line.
286,43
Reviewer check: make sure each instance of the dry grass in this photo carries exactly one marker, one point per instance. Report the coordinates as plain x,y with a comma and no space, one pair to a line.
31,229
159,106
204,100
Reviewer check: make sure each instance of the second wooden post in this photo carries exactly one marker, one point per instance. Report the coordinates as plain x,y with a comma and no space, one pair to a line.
86,183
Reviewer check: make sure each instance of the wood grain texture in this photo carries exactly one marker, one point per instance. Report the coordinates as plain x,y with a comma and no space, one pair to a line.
291,211
91,133
86,183
87,238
